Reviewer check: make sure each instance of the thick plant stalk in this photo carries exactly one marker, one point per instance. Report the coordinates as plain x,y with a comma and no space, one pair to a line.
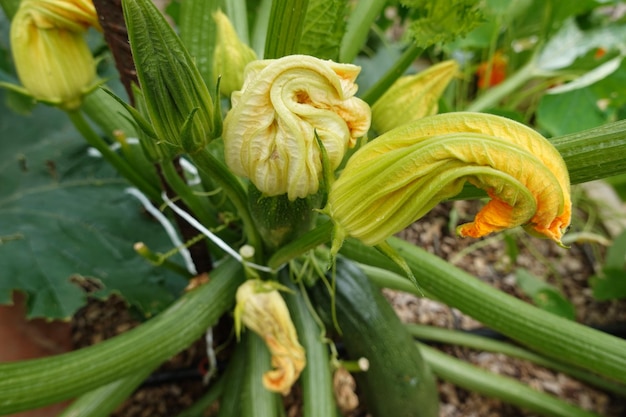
285,28
102,401
34,383
595,153
460,338
316,378
359,24
256,400
197,31
551,335
508,390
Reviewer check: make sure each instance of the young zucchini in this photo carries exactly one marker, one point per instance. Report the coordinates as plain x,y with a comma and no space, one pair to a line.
398,382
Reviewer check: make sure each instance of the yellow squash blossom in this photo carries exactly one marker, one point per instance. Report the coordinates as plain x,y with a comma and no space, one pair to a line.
261,308
51,56
397,178
269,134
231,56
412,97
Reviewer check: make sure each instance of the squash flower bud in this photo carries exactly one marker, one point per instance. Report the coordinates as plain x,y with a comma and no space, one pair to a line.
269,134
261,308
51,56
231,56
412,97
397,178
177,100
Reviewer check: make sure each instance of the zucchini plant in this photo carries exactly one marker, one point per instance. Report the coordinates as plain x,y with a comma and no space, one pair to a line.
275,160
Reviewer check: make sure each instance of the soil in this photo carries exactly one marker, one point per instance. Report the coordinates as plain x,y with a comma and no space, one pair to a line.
491,259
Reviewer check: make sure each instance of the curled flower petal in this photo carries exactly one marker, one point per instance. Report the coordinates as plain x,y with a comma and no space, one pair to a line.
269,134
412,97
261,308
397,178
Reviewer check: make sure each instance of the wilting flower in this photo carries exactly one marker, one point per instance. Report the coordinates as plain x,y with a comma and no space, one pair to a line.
412,97
397,178
51,56
231,56
269,134
262,309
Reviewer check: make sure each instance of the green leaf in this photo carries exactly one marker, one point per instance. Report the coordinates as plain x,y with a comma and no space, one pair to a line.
324,27
64,214
561,114
544,295
442,21
611,284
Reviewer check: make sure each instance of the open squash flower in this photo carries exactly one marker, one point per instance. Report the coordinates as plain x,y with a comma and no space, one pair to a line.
261,308
51,56
412,97
398,177
269,134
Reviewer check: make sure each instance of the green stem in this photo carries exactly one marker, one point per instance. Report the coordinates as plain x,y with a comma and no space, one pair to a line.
231,186
456,337
230,400
113,158
507,389
257,401
494,95
316,378
261,23
102,401
377,90
546,333
359,23
594,153
385,278
197,31
38,382
306,242
237,12
199,206
10,7
285,28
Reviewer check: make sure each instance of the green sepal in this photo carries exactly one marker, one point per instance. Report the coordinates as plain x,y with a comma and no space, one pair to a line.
141,122
186,134
218,121
156,150
328,176
386,249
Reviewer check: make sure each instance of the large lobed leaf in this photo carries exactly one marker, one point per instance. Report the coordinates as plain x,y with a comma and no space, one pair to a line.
64,216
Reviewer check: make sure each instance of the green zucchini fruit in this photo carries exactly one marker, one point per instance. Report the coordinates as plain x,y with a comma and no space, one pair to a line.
398,383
